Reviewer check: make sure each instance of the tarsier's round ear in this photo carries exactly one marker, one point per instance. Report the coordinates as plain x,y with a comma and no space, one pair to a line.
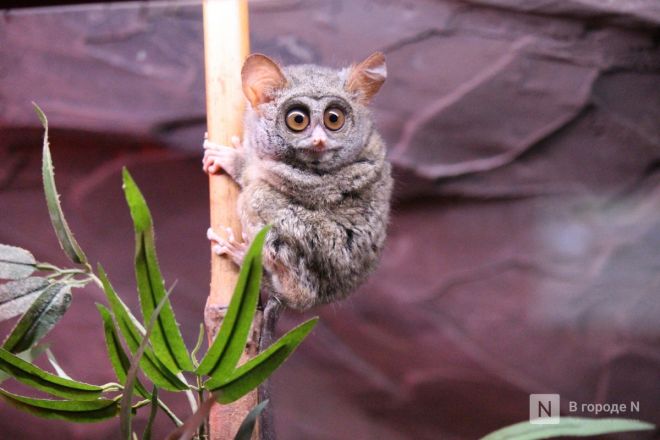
261,76
366,78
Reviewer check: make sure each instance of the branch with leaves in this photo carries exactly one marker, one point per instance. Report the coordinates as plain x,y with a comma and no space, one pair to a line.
152,348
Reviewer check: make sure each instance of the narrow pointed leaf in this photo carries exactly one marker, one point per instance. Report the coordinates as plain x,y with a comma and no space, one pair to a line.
15,262
41,380
28,356
125,409
118,358
133,332
120,361
249,375
247,426
81,411
229,343
568,426
166,338
64,234
42,315
16,296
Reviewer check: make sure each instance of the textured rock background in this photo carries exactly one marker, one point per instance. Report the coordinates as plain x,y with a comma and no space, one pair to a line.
524,250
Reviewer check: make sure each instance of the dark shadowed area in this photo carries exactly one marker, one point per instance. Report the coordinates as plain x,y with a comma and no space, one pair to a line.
524,247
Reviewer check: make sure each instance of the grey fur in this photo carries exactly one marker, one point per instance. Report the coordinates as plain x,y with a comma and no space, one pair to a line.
329,212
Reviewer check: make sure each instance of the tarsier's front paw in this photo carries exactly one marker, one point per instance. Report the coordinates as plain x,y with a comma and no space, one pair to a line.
220,157
230,246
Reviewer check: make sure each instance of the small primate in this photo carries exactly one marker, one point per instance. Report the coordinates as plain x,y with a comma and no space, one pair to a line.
313,166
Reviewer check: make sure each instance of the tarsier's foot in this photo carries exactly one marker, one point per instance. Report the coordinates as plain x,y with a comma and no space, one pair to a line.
220,157
230,246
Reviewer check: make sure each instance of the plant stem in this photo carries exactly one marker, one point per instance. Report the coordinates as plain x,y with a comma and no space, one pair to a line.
96,280
200,392
47,266
169,413
141,403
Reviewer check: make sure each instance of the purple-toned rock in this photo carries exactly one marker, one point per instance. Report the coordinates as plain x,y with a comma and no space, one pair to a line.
524,248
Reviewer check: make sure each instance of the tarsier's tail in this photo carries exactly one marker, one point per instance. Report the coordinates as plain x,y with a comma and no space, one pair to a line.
271,315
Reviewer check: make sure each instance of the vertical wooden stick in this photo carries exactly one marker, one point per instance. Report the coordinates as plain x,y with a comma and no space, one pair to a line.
226,45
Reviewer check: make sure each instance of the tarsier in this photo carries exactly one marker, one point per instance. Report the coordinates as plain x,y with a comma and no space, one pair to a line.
312,165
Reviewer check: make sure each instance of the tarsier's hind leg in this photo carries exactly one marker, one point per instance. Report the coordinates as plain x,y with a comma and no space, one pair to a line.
294,284
271,315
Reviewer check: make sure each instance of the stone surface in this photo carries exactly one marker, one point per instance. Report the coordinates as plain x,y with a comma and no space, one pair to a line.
523,253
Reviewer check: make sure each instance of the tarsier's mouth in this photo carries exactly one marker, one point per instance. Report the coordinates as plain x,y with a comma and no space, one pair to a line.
319,150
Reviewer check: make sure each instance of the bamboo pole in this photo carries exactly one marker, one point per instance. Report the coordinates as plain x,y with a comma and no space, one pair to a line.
226,45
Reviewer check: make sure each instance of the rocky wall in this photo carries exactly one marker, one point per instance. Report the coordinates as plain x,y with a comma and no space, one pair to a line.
524,248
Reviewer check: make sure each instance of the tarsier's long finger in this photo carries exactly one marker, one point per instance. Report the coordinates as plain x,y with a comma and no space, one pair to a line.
211,235
219,250
208,165
237,247
230,235
208,145
212,146
211,161
233,251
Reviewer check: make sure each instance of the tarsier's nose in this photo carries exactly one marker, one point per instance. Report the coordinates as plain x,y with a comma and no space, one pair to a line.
319,138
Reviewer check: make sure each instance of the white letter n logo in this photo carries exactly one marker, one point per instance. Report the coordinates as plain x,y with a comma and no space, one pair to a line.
544,409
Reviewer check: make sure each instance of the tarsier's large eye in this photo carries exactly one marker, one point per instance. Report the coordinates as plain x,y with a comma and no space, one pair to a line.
297,119
333,118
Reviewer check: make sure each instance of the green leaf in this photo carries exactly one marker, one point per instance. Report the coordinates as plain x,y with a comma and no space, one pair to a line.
133,332
16,296
166,338
118,358
85,411
120,361
42,315
568,426
28,356
15,262
125,407
41,380
247,426
229,343
64,235
249,375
